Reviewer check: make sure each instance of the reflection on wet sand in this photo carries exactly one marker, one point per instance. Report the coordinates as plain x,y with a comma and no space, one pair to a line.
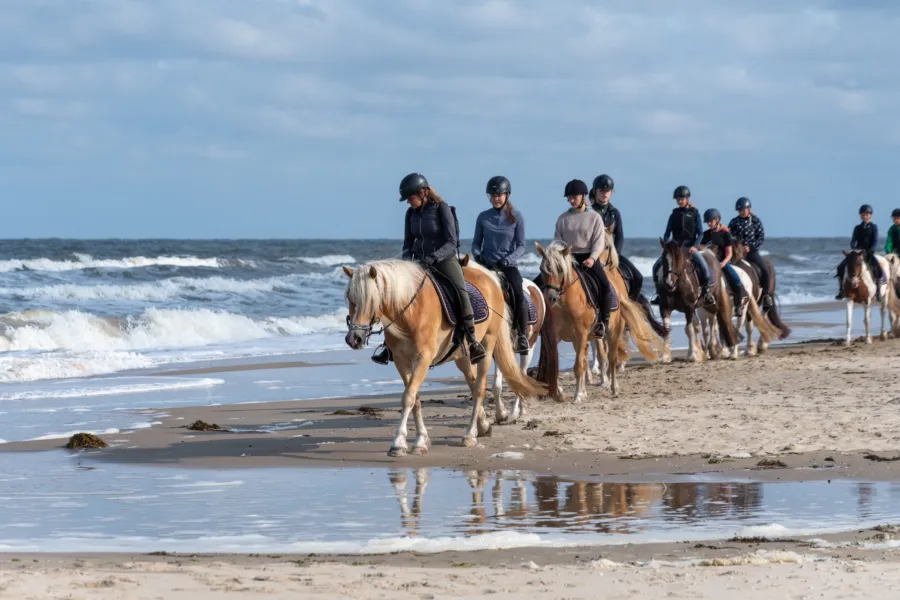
576,506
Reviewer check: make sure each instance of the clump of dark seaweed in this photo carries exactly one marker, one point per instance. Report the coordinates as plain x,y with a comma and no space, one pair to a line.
85,440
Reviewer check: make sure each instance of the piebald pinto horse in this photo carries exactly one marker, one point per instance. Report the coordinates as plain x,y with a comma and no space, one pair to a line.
859,288
402,297
573,318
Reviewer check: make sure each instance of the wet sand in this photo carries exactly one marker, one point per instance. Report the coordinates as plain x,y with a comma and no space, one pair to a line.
855,565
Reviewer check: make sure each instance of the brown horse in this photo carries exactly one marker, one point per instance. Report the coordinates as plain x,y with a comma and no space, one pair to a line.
860,288
502,416
401,296
679,290
573,318
771,313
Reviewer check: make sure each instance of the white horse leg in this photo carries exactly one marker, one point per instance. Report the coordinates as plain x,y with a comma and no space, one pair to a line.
413,375
518,408
847,339
866,318
693,343
580,368
422,439
595,363
884,302
613,359
667,344
500,414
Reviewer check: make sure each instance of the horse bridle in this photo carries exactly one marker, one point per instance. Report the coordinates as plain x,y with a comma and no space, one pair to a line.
369,331
562,290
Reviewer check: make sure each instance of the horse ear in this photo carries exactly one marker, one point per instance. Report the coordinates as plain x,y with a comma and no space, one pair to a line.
373,273
845,253
566,250
348,271
464,261
540,248
662,243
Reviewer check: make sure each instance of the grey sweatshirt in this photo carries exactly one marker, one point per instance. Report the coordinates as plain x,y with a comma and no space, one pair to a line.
583,231
497,238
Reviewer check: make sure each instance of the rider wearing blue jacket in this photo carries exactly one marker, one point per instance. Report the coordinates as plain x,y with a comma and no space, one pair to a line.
865,238
499,243
685,228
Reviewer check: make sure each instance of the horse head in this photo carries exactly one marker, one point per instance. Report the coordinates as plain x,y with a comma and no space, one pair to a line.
363,301
738,251
855,264
556,268
673,264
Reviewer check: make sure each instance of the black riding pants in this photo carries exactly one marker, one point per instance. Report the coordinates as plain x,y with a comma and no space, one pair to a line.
520,305
630,271
754,257
450,270
605,299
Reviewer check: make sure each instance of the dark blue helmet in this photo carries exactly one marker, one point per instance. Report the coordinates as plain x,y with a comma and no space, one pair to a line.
498,185
865,208
411,184
682,191
711,214
576,187
742,203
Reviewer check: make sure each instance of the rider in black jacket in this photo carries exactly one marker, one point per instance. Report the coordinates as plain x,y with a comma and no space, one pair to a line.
865,238
601,194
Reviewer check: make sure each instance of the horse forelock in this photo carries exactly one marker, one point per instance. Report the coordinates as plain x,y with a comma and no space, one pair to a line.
555,263
394,284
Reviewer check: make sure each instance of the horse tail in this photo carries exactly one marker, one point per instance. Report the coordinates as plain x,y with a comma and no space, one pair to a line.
772,312
767,330
642,334
723,318
548,360
521,384
658,328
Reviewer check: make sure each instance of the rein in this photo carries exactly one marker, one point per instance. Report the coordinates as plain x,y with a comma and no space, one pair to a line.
368,330
562,290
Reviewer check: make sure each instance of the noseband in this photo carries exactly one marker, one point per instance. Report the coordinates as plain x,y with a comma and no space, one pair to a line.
367,330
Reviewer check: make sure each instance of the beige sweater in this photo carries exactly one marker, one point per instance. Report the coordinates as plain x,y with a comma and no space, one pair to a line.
583,231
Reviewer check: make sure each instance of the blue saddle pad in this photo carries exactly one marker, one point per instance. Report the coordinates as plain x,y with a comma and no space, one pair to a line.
591,287
446,292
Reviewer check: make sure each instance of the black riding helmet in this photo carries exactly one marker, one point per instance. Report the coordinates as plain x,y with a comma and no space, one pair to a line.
711,214
498,185
865,208
895,213
603,183
742,203
411,184
576,187
682,191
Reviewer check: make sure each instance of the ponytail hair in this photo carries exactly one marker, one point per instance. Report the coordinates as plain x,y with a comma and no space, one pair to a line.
508,209
432,195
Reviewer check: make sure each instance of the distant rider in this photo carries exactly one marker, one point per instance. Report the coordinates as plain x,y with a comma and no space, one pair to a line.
718,235
865,238
748,229
499,243
602,191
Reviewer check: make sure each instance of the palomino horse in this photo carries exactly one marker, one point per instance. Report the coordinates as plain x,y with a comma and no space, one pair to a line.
502,416
751,315
574,317
771,312
679,289
860,287
600,364
400,295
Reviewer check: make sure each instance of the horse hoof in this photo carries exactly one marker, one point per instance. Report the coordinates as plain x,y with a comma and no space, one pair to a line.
868,341
487,432
665,360
502,420
421,450
397,452
469,442
883,336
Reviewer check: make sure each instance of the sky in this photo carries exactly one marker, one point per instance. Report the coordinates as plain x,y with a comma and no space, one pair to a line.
298,118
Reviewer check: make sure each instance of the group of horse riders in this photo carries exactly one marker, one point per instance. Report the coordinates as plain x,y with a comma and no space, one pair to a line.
431,237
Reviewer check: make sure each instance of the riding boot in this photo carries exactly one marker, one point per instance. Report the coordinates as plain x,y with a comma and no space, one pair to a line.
383,355
840,294
476,350
600,326
522,345
655,300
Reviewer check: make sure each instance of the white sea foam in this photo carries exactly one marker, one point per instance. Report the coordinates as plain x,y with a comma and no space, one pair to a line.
797,296
68,434
329,260
86,261
111,390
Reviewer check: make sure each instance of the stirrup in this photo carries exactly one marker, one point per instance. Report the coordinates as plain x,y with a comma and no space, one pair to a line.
599,330
767,301
476,353
382,355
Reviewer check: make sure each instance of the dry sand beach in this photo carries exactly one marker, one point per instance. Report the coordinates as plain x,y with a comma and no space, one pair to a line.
823,411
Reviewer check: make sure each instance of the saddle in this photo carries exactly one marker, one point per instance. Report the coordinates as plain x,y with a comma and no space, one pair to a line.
447,293
592,290
508,298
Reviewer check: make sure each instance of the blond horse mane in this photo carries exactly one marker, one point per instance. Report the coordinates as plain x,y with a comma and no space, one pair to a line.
556,263
611,254
384,285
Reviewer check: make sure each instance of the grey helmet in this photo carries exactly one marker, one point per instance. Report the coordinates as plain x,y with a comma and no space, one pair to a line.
498,185
865,208
682,191
603,183
411,184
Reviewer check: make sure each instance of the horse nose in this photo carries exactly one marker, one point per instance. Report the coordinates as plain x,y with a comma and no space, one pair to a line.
354,340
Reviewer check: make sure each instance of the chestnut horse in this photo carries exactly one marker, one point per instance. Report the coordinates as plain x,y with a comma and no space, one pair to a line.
860,287
574,318
502,416
401,296
679,289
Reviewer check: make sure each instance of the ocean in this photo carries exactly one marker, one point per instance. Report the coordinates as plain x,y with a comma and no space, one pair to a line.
85,324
